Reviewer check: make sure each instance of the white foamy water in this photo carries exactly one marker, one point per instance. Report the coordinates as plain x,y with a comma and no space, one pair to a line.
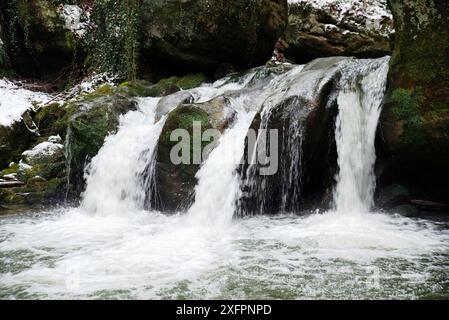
149,255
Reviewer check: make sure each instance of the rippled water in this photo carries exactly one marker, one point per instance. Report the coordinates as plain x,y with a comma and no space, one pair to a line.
69,254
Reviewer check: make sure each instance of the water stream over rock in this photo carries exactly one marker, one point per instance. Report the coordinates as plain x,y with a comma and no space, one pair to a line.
116,245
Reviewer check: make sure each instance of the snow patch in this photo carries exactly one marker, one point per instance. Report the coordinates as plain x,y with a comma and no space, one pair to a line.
15,101
76,20
94,82
45,149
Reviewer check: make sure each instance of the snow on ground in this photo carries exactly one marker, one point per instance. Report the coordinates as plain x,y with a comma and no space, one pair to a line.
14,101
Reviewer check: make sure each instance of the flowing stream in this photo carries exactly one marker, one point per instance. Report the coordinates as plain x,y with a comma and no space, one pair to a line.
111,247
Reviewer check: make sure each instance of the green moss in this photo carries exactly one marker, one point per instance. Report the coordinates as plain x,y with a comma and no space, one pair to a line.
183,118
414,132
104,90
8,196
170,85
191,81
13,168
70,40
53,119
112,51
136,88
87,136
405,103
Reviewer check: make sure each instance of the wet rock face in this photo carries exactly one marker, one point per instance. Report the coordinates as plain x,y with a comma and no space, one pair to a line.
320,28
303,113
204,34
415,116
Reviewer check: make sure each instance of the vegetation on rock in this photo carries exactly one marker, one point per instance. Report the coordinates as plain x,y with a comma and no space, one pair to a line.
416,112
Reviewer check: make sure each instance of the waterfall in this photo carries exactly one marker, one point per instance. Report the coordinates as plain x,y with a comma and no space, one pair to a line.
121,177
218,181
363,86
114,246
118,179
114,177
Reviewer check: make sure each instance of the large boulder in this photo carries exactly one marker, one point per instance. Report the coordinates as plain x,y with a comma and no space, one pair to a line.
175,183
38,177
52,40
200,34
415,119
337,28
91,119
172,186
303,109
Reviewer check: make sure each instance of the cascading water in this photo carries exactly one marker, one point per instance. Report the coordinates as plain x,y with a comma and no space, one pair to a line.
363,86
110,247
114,177
218,186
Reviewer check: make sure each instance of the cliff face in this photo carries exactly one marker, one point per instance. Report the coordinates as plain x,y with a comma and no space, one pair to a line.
48,39
203,33
415,120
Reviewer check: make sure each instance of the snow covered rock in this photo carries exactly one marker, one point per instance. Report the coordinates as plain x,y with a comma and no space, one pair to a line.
320,28
44,150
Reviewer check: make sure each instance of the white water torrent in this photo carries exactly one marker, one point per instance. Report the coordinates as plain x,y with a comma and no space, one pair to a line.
359,104
219,183
110,247
114,177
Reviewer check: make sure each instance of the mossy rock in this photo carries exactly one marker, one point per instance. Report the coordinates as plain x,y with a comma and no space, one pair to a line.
415,116
52,120
136,88
38,191
95,116
15,139
176,182
173,84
